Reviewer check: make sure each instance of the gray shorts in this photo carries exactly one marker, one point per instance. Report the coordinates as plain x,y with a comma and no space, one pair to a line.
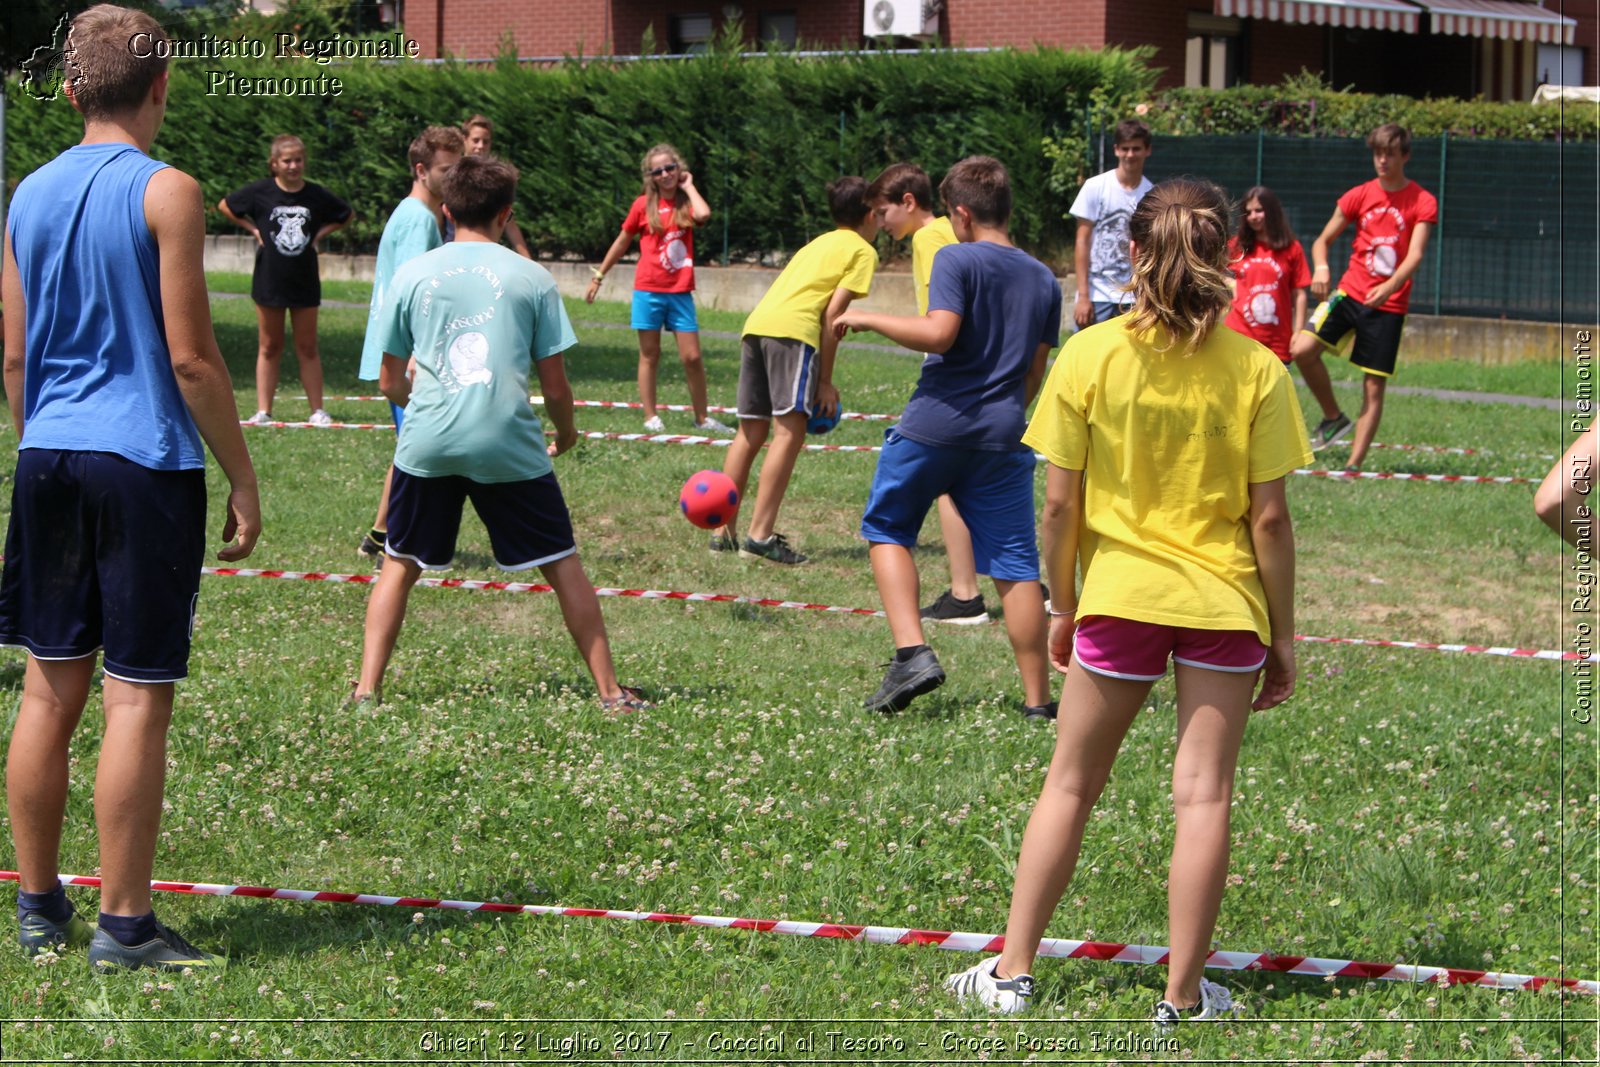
777,376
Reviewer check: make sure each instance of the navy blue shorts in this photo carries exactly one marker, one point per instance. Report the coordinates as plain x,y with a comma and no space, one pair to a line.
527,521
993,491
103,553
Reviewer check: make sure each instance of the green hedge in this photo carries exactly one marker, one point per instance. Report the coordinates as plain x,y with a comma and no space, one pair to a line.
763,134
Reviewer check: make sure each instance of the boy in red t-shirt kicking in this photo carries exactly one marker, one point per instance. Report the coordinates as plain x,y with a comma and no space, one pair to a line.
1393,216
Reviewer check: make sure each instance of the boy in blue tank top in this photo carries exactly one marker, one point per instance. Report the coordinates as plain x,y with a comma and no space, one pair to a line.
994,313
114,378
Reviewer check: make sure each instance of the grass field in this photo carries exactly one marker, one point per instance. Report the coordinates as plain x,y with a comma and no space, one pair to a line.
1404,806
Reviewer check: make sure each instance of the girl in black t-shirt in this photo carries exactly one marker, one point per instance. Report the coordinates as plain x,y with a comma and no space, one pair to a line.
288,216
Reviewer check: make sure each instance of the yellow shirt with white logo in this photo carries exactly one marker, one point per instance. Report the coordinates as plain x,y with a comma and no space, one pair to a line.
1169,445
794,305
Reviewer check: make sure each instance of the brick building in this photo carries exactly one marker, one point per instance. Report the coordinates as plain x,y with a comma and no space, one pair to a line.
1498,49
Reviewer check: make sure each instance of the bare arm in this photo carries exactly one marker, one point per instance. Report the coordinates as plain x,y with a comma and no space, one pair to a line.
1035,376
828,347
1320,272
1059,527
243,223
174,212
934,332
1273,537
1561,502
699,210
519,244
16,339
1407,267
394,379
1299,311
623,242
557,402
1082,308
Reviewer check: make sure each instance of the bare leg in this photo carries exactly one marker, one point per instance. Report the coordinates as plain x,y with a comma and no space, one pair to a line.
958,547
269,350
382,521
127,791
1096,712
304,322
1306,351
580,610
1372,390
1213,708
53,696
386,613
788,438
694,372
751,435
649,364
1026,626
895,571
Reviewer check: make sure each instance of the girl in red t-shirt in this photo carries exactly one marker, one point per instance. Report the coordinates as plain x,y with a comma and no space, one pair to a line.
1270,273
664,217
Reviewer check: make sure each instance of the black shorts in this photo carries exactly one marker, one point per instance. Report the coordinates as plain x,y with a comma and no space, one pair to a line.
103,553
1377,333
527,521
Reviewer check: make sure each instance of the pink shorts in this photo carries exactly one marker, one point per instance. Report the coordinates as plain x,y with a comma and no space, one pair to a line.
1138,651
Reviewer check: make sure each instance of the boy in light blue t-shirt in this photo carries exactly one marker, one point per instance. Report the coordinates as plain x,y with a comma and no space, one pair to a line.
994,313
473,315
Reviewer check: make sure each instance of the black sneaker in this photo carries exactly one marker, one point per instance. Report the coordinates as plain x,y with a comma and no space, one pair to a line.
36,933
167,951
1040,711
1331,431
370,547
724,542
775,548
949,608
905,681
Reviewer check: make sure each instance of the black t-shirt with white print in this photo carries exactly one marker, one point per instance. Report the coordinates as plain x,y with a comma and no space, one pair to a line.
286,262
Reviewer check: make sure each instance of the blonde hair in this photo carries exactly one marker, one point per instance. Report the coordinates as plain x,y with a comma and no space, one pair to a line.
281,144
106,74
1180,277
682,217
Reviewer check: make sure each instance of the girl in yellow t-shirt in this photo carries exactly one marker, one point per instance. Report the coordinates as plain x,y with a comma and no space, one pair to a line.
1168,438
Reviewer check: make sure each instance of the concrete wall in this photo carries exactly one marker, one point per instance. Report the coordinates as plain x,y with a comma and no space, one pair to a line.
1427,337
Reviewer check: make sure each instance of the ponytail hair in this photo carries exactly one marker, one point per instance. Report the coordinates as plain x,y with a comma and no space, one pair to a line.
682,214
1180,277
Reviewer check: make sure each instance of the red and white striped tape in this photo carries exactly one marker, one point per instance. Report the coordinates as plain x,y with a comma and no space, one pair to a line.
803,605
954,941
724,442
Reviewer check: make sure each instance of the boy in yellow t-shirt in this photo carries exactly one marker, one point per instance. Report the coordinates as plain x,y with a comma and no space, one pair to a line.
902,198
786,363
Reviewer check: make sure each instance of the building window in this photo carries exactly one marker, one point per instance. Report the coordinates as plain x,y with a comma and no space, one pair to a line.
1559,65
690,35
1213,55
778,28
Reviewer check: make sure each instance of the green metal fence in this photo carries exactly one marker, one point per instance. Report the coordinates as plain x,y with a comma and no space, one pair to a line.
1517,235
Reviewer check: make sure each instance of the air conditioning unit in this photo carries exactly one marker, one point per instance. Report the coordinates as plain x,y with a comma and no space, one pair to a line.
901,18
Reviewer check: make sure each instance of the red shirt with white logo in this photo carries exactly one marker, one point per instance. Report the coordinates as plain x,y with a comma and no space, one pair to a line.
1385,223
1263,296
666,257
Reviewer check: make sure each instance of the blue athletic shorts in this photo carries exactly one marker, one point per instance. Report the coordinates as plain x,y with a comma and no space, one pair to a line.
399,414
103,553
664,311
993,491
527,521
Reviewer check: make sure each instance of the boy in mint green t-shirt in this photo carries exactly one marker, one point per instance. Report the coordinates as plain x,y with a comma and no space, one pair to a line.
473,316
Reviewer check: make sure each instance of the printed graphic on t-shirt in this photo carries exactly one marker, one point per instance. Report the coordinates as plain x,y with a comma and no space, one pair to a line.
290,221
1109,250
1384,227
461,357
675,252
1262,310
469,360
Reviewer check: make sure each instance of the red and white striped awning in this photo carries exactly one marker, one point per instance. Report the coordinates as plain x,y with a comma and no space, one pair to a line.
1352,14
1505,19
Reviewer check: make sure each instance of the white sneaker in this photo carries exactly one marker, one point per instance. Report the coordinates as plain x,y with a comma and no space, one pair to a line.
1215,1002
711,425
260,418
978,984
654,424
320,417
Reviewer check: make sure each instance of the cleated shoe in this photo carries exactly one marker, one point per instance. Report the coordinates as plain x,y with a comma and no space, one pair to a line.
167,951
38,934
1215,1002
948,608
905,681
979,985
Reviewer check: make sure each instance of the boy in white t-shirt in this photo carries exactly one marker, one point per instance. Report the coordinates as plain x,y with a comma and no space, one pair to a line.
1106,202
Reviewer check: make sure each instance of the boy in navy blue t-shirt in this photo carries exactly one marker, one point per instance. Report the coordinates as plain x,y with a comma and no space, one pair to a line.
994,313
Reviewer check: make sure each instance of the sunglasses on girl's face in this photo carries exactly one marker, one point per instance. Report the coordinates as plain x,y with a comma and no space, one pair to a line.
659,171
